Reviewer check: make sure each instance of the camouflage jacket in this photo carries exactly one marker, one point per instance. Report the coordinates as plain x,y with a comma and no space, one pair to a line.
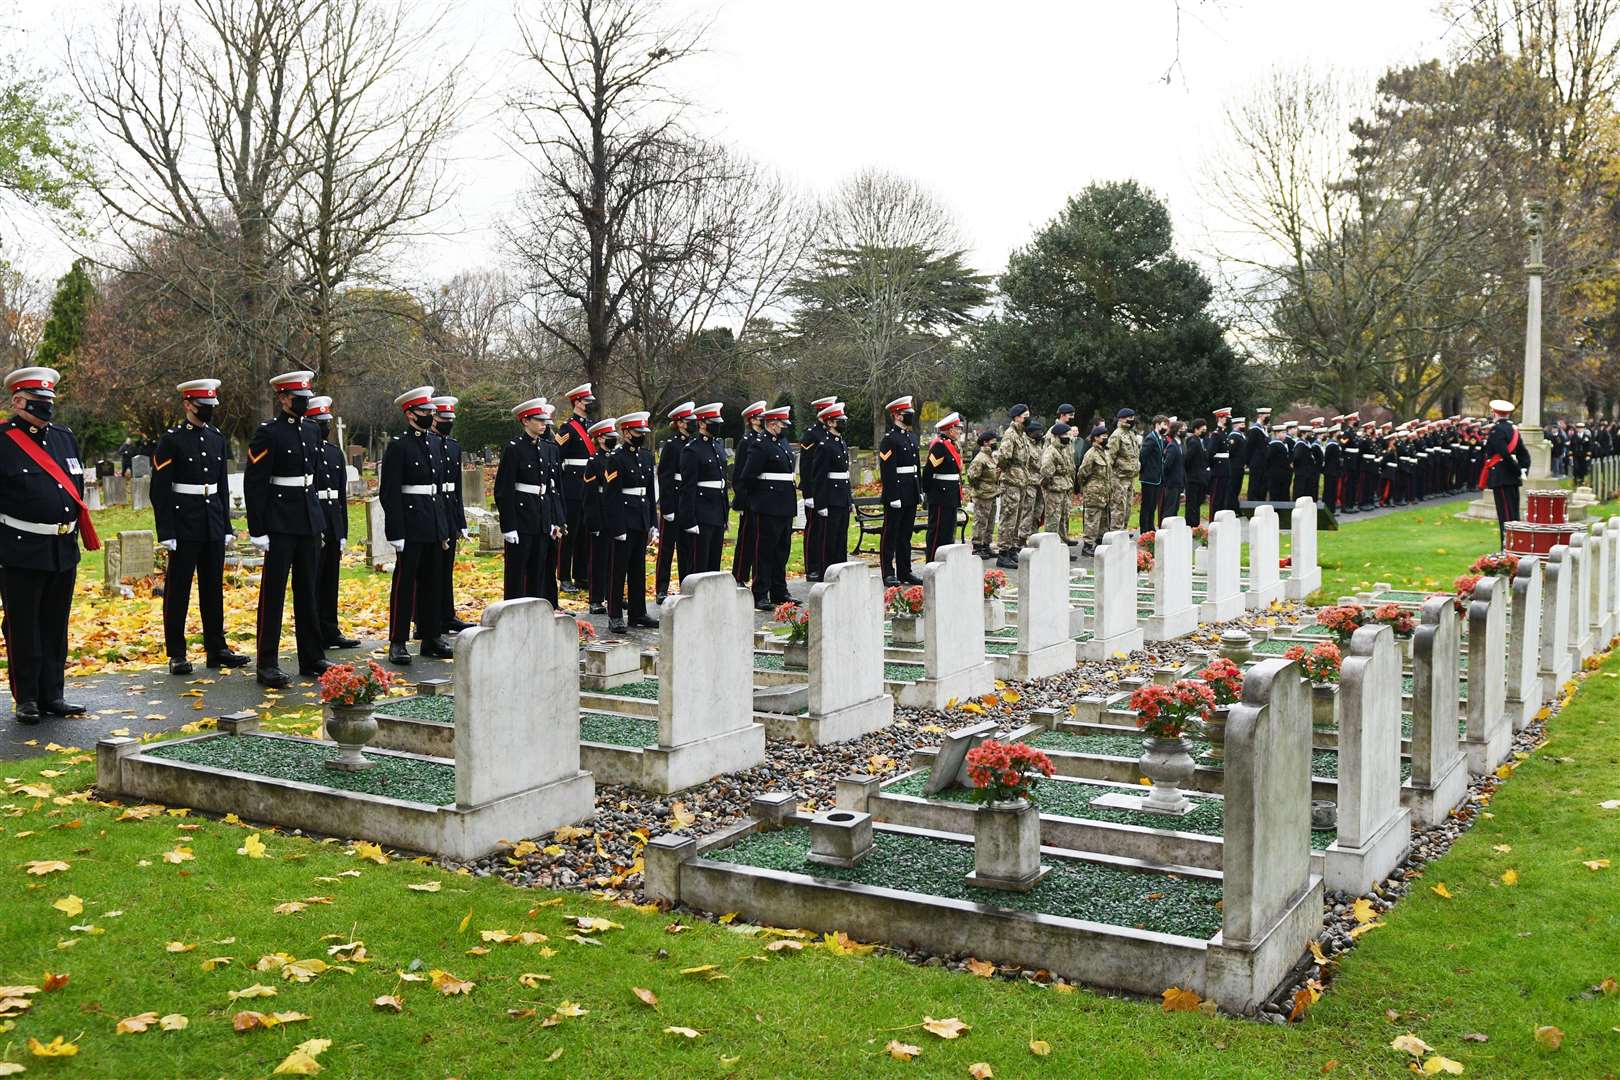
1124,454
983,479
1017,458
1096,478
1057,467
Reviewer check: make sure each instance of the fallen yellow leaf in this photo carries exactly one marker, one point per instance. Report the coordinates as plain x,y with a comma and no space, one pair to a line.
1178,1000
980,1070
69,905
1439,1064
686,1031
1595,864
1364,911
1441,891
424,886
131,1025
1550,1037
252,847
1409,1044
173,1022
301,1062
1510,876
982,968
365,849
389,1001
57,1047
41,867
902,1051
1040,1047
647,997
949,1028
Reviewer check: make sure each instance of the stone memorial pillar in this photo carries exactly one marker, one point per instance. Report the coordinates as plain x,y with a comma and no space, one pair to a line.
1174,614
1304,574
1113,625
1439,770
1045,646
1375,831
1553,658
1524,645
847,699
1223,594
1489,733
953,631
1265,584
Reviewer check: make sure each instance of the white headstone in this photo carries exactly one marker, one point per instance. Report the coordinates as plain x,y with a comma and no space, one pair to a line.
1489,733
1264,584
517,712
1374,830
1045,646
1439,771
1223,595
140,492
1580,600
953,631
1523,644
1113,627
379,552
1304,574
1601,555
1553,661
847,698
705,660
1174,614
1613,533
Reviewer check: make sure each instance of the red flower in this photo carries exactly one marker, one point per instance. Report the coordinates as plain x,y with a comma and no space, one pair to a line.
1169,712
904,601
344,684
1344,619
587,632
994,582
1321,664
1225,680
1144,559
1001,771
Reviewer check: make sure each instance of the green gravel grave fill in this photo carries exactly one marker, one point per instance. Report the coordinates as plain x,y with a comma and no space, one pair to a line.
770,662
615,730
646,689
1000,648
1074,889
1402,596
431,710
902,672
1114,745
298,759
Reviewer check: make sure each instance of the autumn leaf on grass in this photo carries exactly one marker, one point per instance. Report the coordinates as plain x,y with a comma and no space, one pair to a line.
52,981
982,968
1410,1044
365,849
840,944
291,907
131,1025
1364,911
173,1022
980,1070
69,905
179,855
1510,876
1439,1064
179,947
1595,864
257,990
252,847
448,985
1178,1000
589,924
11,1068
570,1008
389,1001
901,1051
685,1031
1441,891
41,867
1040,1047
1550,1037
647,996
532,979
784,943
57,1047
301,1062
424,886
949,1028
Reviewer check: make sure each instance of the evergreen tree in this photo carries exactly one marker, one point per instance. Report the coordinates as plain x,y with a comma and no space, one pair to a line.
70,310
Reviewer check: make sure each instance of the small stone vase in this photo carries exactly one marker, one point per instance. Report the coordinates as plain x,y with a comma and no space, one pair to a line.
1325,706
1216,730
1007,846
796,655
1168,764
352,727
907,629
995,614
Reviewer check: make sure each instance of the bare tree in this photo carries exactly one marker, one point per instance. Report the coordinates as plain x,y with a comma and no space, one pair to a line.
604,134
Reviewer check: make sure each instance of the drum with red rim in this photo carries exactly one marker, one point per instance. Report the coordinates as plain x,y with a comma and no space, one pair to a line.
1547,507
1522,537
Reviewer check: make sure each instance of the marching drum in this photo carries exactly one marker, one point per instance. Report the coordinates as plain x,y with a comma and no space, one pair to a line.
1547,507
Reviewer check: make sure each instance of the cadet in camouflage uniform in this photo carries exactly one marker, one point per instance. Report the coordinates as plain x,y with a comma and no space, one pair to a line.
1057,479
984,484
1019,463
1124,464
1096,490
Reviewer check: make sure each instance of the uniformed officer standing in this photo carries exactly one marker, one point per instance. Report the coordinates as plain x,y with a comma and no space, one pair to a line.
1332,465
1308,462
671,540
1256,457
1218,446
984,484
1506,462
330,484
1124,463
897,470
573,437
42,491
604,438
1195,452
768,472
417,525
703,492
444,421
628,520
830,488
942,483
530,506
814,432
190,503
1279,480
742,557
286,523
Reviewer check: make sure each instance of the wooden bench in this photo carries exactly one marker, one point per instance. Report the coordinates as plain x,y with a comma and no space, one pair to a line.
868,518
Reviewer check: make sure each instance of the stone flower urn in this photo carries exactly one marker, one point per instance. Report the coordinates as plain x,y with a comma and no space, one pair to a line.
796,655
907,629
1324,814
995,614
1215,728
1007,847
1168,764
352,727
1324,706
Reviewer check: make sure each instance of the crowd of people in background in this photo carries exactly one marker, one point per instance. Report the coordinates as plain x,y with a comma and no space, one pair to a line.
1575,446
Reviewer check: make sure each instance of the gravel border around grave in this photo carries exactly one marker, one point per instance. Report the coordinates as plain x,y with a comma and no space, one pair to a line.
614,729
300,760
434,709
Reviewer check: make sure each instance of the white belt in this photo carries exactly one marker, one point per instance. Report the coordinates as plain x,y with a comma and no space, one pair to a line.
838,476
711,483
307,480
785,476
194,489
328,493
40,527
1222,455
947,476
447,487
635,491
574,463
905,468
1355,452
418,489
531,489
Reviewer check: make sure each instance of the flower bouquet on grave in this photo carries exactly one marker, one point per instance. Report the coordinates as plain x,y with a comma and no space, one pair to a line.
349,692
1464,588
1396,618
903,601
995,609
1005,772
1166,715
1504,564
1342,619
587,632
1320,665
994,582
1225,681
1144,558
1200,534
794,620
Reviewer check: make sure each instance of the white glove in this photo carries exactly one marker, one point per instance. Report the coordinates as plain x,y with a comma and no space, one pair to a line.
693,529
811,503
399,545
823,513
556,532
895,504
622,536
669,517
652,535
229,537
466,534
510,537
170,544
261,542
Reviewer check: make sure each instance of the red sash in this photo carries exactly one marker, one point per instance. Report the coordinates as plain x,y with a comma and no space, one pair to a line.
584,436
955,453
1491,462
54,471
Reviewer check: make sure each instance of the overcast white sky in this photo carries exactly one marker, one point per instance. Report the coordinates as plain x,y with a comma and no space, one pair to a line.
1002,107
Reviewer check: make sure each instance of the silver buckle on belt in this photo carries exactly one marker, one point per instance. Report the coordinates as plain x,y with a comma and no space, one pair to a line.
64,527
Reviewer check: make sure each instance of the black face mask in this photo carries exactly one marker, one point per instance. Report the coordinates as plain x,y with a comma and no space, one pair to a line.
296,405
205,413
608,441
443,426
909,417
421,421
325,423
40,410
637,440
840,425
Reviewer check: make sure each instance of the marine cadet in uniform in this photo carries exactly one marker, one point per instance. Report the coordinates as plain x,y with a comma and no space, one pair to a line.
768,472
604,437
530,506
330,482
897,469
417,525
703,513
42,491
1124,463
1257,441
984,485
1219,447
1309,460
814,544
742,556
942,484
829,487
1057,480
573,436
444,421
191,507
286,523
628,519
1096,490
1015,457
671,540
1506,462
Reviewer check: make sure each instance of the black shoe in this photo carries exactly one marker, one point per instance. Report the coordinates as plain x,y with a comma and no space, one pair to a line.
398,654
891,582
598,609
274,678
27,712
568,586
812,578
912,579
1007,562
1088,551
617,626
343,643
764,605
180,667
437,648
660,598
645,622
317,669
227,659
61,708
458,625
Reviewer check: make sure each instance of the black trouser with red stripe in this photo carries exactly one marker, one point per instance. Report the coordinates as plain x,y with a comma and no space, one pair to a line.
531,568
814,528
669,539
601,566
771,542
705,545
574,556
326,589
301,556
832,538
447,583
416,592
895,552
205,559
36,631
941,527
742,559
1507,509
628,577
